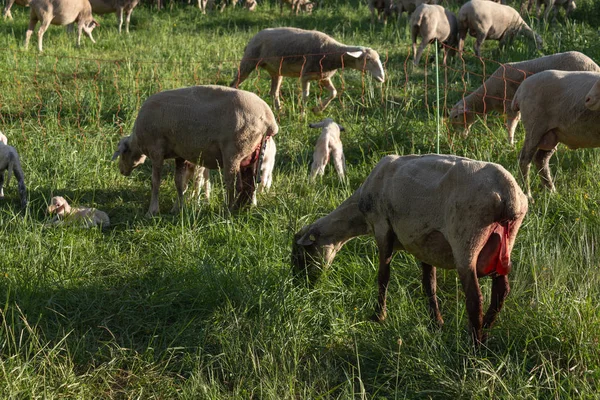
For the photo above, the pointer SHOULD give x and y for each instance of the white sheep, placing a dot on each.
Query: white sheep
(410, 6)
(433, 22)
(447, 211)
(81, 216)
(553, 111)
(9, 3)
(310, 55)
(328, 143)
(60, 12)
(201, 175)
(497, 92)
(488, 20)
(213, 126)
(115, 6)
(9, 161)
(568, 5)
(592, 98)
(3, 139)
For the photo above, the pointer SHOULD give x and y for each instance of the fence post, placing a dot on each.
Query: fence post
(437, 98)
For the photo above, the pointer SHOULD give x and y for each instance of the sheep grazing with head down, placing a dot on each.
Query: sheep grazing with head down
(9, 161)
(328, 143)
(498, 91)
(310, 55)
(81, 216)
(449, 212)
(489, 20)
(213, 126)
(553, 110)
(433, 22)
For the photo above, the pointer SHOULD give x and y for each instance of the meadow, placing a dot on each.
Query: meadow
(203, 304)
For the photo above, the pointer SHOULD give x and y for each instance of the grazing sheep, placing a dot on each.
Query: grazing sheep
(592, 98)
(9, 160)
(383, 8)
(3, 139)
(498, 90)
(9, 3)
(568, 5)
(329, 142)
(410, 6)
(553, 111)
(213, 126)
(449, 212)
(310, 55)
(201, 175)
(488, 20)
(118, 6)
(83, 216)
(60, 12)
(433, 22)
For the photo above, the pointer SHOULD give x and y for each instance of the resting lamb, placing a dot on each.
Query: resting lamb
(498, 90)
(310, 55)
(433, 22)
(82, 216)
(449, 212)
(553, 111)
(9, 161)
(328, 143)
(213, 126)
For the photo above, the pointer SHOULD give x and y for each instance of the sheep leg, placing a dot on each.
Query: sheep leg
(2, 185)
(18, 171)
(419, 52)
(157, 164)
(429, 285)
(332, 93)
(525, 158)
(120, 18)
(511, 126)
(30, 27)
(6, 13)
(542, 162)
(478, 42)
(474, 301)
(127, 19)
(500, 289)
(385, 244)
(275, 88)
(246, 186)
(339, 162)
(41, 31)
(181, 179)
(305, 91)
(462, 35)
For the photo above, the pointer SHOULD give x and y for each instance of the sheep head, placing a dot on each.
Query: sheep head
(58, 205)
(592, 99)
(324, 123)
(461, 117)
(309, 257)
(367, 59)
(130, 157)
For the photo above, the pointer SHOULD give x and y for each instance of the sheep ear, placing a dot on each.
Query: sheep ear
(120, 150)
(307, 239)
(355, 54)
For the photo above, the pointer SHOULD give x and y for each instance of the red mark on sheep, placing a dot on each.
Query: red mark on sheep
(500, 262)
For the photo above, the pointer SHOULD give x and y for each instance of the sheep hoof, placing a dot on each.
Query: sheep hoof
(379, 317)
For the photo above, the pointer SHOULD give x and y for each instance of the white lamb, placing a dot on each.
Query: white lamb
(82, 216)
(328, 143)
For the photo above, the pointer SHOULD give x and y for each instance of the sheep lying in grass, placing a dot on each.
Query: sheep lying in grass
(592, 98)
(310, 55)
(115, 6)
(433, 22)
(449, 212)
(498, 90)
(60, 12)
(9, 3)
(9, 161)
(201, 175)
(82, 216)
(328, 143)
(213, 126)
(553, 111)
(488, 20)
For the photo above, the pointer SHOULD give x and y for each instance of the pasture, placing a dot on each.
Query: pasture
(202, 304)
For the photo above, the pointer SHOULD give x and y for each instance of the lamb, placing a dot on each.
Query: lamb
(489, 20)
(60, 12)
(329, 142)
(9, 161)
(310, 55)
(9, 3)
(448, 211)
(592, 98)
(433, 22)
(118, 6)
(201, 175)
(498, 90)
(553, 111)
(82, 216)
(409, 6)
(212, 126)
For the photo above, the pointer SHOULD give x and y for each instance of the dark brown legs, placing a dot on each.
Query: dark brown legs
(429, 286)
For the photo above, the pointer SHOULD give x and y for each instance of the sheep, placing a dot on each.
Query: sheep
(212, 126)
(433, 22)
(60, 12)
(201, 175)
(82, 216)
(329, 142)
(410, 6)
(297, 5)
(9, 3)
(118, 6)
(9, 161)
(568, 5)
(553, 111)
(489, 20)
(592, 98)
(383, 8)
(310, 55)
(3, 139)
(449, 212)
(498, 90)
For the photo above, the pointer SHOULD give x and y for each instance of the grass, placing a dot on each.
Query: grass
(202, 304)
